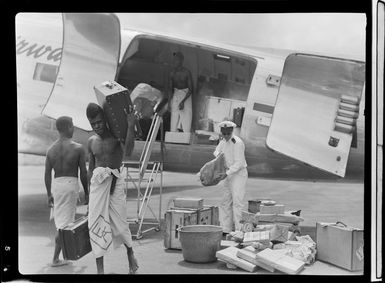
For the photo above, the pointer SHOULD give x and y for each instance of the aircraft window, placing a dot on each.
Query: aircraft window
(45, 72)
(222, 57)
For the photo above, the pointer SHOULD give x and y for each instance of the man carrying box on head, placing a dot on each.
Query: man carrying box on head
(107, 218)
(180, 90)
(234, 179)
(66, 158)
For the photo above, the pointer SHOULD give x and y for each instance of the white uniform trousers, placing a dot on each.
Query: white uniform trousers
(234, 188)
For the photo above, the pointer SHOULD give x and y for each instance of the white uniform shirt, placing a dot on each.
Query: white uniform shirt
(234, 151)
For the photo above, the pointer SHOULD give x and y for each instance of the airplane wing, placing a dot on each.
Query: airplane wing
(316, 111)
(91, 48)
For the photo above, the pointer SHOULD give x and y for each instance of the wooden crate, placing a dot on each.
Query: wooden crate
(175, 219)
(205, 216)
(194, 203)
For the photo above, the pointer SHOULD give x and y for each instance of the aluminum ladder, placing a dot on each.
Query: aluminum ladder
(146, 172)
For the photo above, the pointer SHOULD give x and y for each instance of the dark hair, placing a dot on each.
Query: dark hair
(93, 110)
(63, 123)
(179, 55)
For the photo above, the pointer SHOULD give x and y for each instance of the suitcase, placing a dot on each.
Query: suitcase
(340, 245)
(238, 115)
(75, 239)
(115, 101)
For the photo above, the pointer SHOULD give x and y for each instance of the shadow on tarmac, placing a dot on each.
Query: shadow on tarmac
(66, 269)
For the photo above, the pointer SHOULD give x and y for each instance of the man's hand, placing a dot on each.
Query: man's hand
(86, 199)
(50, 201)
(130, 117)
(221, 176)
(181, 105)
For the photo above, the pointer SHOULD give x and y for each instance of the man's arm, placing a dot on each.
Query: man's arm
(91, 165)
(130, 136)
(83, 172)
(170, 89)
(48, 180)
(189, 85)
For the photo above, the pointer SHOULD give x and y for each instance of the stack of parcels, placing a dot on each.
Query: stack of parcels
(259, 252)
(187, 211)
(267, 212)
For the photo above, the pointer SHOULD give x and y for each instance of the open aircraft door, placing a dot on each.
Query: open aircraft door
(91, 47)
(317, 106)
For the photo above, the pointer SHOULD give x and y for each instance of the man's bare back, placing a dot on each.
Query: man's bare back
(64, 157)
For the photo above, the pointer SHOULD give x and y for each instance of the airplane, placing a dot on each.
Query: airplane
(303, 114)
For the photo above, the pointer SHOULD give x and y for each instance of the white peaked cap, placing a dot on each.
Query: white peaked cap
(227, 124)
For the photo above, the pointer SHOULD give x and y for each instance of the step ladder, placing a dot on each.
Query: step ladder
(144, 173)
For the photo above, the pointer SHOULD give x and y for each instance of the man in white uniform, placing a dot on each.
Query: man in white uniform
(180, 90)
(235, 178)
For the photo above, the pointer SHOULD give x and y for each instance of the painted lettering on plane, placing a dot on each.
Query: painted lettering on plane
(29, 49)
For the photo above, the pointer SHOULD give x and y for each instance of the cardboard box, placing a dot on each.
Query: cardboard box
(175, 219)
(254, 204)
(279, 233)
(279, 261)
(340, 245)
(178, 137)
(229, 255)
(188, 202)
(259, 236)
(272, 209)
(228, 243)
(250, 254)
(248, 217)
(286, 218)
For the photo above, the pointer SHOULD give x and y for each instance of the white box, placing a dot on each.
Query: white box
(229, 255)
(178, 137)
(272, 209)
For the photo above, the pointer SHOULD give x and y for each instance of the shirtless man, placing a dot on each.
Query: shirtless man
(107, 196)
(65, 157)
(180, 89)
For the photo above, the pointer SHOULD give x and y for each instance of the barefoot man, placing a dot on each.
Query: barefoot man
(65, 157)
(107, 218)
(180, 89)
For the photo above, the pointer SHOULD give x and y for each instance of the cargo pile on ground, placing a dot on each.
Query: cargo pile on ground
(271, 240)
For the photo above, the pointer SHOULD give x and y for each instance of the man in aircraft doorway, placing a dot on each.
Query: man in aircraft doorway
(235, 177)
(66, 158)
(107, 218)
(180, 89)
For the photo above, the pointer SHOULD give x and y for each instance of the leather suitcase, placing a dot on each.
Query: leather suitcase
(115, 100)
(340, 245)
(75, 239)
(238, 115)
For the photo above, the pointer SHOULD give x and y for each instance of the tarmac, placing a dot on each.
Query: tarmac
(319, 202)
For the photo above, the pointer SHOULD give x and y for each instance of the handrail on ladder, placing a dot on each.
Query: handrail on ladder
(157, 121)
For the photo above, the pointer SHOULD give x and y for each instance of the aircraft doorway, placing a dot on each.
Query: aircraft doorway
(221, 82)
